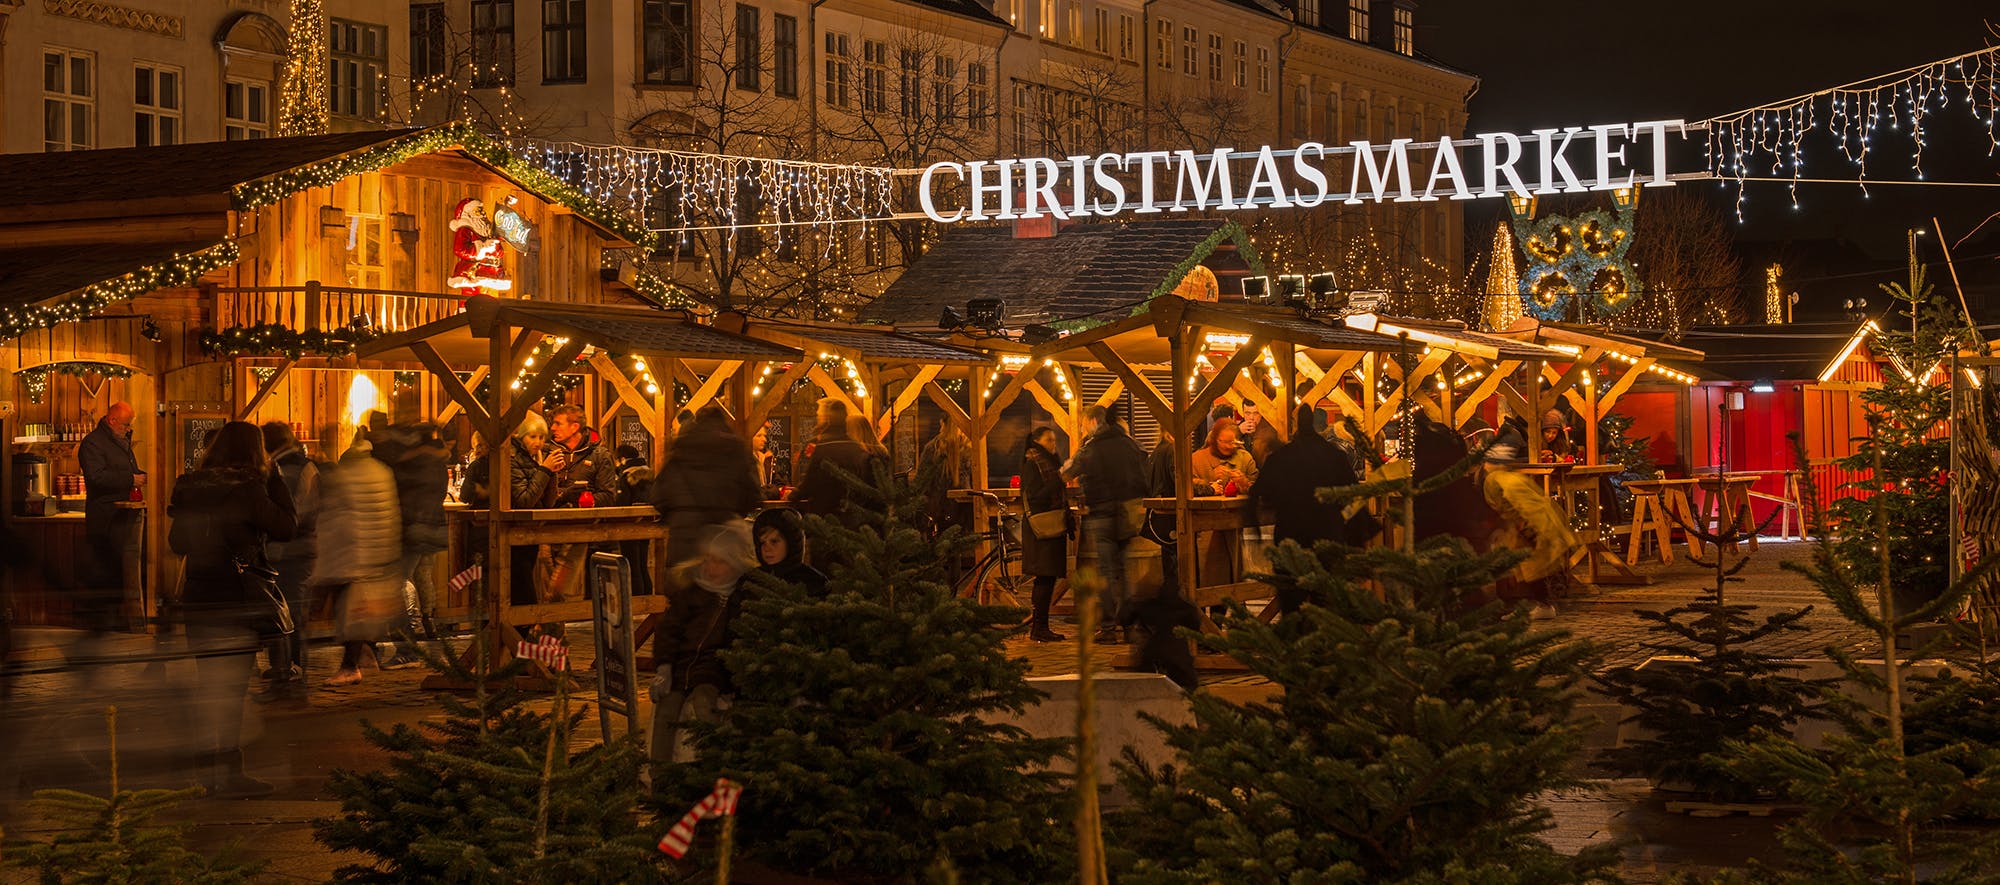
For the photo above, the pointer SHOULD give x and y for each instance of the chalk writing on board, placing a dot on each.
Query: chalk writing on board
(194, 439)
(632, 432)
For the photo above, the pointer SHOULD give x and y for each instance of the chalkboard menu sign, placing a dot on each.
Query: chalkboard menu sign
(611, 593)
(631, 431)
(194, 438)
(777, 441)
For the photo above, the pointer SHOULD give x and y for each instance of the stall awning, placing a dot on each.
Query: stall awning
(882, 346)
(1454, 336)
(37, 274)
(637, 331)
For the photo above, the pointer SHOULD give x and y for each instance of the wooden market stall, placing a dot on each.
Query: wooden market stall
(229, 280)
(496, 332)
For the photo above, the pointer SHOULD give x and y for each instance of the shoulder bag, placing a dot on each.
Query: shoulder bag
(1049, 524)
(271, 615)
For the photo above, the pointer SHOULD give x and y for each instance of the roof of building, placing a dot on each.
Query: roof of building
(1789, 352)
(173, 171)
(35, 274)
(1095, 271)
(881, 345)
(968, 8)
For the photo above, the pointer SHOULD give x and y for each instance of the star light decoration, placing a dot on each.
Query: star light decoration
(179, 270)
(1577, 258)
(1770, 139)
(720, 192)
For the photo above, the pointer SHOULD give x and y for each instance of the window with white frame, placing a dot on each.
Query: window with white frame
(364, 266)
(246, 109)
(1357, 19)
(1215, 58)
(357, 54)
(1128, 37)
(1406, 30)
(1240, 53)
(1190, 51)
(874, 75)
(839, 69)
(1163, 45)
(1023, 119)
(156, 105)
(978, 95)
(69, 99)
(1264, 69)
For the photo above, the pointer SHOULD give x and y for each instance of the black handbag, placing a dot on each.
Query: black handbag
(271, 615)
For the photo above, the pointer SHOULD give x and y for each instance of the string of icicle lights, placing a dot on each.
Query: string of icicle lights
(717, 192)
(1770, 139)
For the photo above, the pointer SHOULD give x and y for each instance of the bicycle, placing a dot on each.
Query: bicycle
(996, 579)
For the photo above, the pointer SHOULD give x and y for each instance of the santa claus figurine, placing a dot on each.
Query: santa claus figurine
(478, 251)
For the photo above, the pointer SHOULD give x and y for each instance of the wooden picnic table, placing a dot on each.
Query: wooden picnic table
(1656, 506)
(1725, 502)
(1572, 483)
(1218, 522)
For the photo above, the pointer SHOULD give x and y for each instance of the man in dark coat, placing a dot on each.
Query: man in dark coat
(585, 458)
(710, 478)
(821, 489)
(1290, 482)
(110, 473)
(1112, 469)
(1456, 509)
(418, 459)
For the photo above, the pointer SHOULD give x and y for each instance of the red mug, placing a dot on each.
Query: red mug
(1014, 483)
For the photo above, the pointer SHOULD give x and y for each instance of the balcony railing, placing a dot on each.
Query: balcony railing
(313, 306)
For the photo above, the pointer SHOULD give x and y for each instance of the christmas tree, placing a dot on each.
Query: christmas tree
(119, 839)
(1912, 476)
(493, 793)
(1634, 455)
(863, 731)
(1714, 686)
(1414, 732)
(1884, 803)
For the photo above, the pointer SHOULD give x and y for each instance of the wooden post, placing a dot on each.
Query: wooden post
(312, 304)
(1590, 418)
(1282, 353)
(1182, 362)
(500, 451)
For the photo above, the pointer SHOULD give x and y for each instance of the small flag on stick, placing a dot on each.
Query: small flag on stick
(720, 803)
(465, 578)
(548, 651)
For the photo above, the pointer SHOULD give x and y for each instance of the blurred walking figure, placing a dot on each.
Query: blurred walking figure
(821, 489)
(1290, 482)
(691, 677)
(417, 458)
(360, 554)
(635, 487)
(110, 475)
(862, 431)
(223, 513)
(1528, 521)
(709, 479)
(946, 464)
(1112, 469)
(1046, 558)
(293, 559)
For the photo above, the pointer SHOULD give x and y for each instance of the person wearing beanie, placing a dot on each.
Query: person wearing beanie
(1556, 445)
(781, 547)
(690, 677)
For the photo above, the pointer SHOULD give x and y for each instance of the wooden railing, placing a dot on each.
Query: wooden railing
(313, 306)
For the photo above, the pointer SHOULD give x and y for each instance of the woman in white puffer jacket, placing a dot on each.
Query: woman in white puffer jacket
(360, 553)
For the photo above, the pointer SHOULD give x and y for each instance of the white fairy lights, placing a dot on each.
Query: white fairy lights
(1769, 139)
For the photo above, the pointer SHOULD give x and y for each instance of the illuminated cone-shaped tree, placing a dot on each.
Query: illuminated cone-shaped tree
(863, 729)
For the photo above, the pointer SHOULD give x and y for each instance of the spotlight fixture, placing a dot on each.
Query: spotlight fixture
(985, 312)
(950, 321)
(1292, 290)
(1257, 290)
(1326, 294)
(1763, 385)
(150, 330)
(1036, 333)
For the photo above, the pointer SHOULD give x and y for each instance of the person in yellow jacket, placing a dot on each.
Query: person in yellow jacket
(1528, 520)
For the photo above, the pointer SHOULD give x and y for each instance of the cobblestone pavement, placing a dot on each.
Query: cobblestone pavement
(53, 731)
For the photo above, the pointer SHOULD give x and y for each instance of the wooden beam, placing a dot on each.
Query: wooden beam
(460, 394)
(1326, 383)
(1224, 379)
(628, 393)
(953, 412)
(774, 395)
(539, 386)
(1624, 383)
(1058, 410)
(264, 390)
(1425, 369)
(709, 386)
(452, 408)
(1483, 391)
(906, 398)
(826, 383)
(1148, 395)
(1564, 382)
(992, 408)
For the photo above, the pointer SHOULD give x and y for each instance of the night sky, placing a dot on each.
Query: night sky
(1547, 63)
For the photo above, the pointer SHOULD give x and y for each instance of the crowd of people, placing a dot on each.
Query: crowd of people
(354, 532)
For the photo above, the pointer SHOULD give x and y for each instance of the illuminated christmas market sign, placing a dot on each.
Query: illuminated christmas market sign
(1574, 159)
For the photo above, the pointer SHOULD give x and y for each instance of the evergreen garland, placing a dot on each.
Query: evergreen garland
(272, 339)
(863, 729)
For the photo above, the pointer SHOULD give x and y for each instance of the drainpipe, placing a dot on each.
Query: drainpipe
(812, 79)
(1285, 52)
(1146, 63)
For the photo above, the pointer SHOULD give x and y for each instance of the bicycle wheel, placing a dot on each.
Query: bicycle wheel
(999, 581)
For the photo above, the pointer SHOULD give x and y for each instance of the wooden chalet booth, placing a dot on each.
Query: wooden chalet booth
(205, 282)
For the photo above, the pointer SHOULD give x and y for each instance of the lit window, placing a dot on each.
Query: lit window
(1242, 65)
(1357, 20)
(364, 266)
(1264, 69)
(1406, 30)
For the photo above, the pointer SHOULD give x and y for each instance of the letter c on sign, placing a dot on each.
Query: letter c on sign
(924, 191)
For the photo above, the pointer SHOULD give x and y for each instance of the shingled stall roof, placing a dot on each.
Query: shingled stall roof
(639, 331)
(880, 345)
(173, 172)
(1098, 271)
(1453, 335)
(1790, 352)
(1141, 340)
(36, 274)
